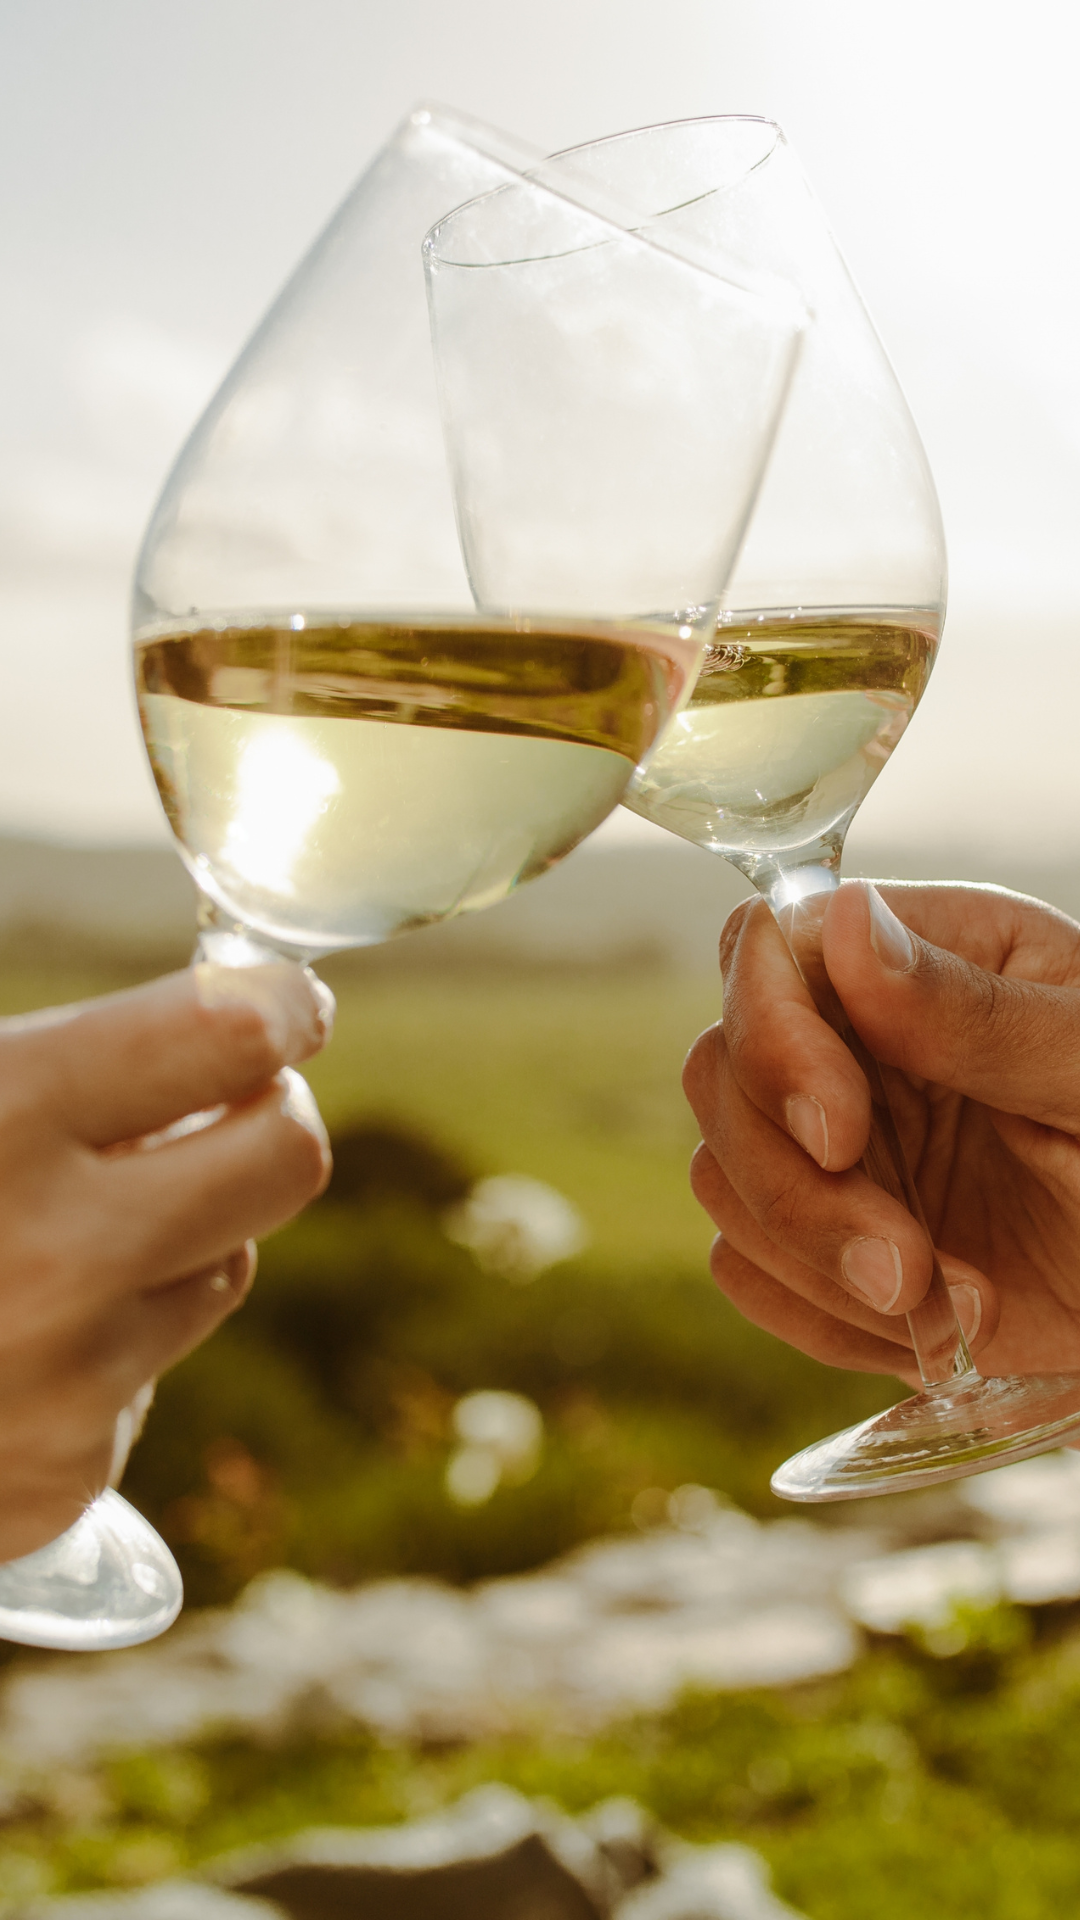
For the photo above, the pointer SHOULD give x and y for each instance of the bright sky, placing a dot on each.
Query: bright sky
(165, 166)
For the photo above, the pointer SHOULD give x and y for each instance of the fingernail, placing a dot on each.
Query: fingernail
(325, 1004)
(889, 937)
(299, 1105)
(967, 1302)
(236, 1275)
(294, 1006)
(806, 1119)
(872, 1268)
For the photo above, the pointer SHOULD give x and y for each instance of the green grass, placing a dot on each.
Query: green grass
(571, 1077)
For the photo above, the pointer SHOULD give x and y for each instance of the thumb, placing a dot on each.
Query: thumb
(1011, 1044)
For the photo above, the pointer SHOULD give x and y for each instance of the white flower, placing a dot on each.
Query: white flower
(516, 1226)
(502, 1435)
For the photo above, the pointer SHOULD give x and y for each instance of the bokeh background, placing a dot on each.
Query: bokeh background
(163, 169)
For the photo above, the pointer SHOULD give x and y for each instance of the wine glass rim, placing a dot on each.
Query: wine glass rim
(678, 126)
(614, 222)
(658, 127)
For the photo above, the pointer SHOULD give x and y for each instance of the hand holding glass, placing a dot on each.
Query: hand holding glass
(829, 630)
(344, 747)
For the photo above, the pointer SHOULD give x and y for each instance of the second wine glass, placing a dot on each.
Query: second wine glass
(825, 642)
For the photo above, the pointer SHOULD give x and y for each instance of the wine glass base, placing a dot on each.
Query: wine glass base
(967, 1426)
(109, 1581)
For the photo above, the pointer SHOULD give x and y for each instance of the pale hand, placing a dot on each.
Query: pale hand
(119, 1252)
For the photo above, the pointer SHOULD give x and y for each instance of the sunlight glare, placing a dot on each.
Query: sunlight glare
(282, 788)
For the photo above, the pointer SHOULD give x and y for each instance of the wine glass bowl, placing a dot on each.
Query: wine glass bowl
(337, 779)
(424, 586)
(792, 717)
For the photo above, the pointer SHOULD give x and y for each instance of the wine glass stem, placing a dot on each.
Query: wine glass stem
(798, 894)
(226, 942)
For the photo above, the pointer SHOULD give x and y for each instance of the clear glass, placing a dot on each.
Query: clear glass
(826, 636)
(108, 1582)
(344, 746)
(315, 477)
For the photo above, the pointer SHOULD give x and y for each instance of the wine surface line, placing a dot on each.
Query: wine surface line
(791, 719)
(335, 779)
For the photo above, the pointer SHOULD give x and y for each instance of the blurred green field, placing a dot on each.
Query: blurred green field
(570, 1076)
(315, 1431)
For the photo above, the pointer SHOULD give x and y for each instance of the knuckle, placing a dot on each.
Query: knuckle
(780, 1210)
(987, 1011)
(240, 1030)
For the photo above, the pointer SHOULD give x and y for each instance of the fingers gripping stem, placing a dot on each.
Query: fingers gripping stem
(939, 1345)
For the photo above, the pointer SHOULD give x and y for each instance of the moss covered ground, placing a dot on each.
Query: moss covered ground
(911, 1785)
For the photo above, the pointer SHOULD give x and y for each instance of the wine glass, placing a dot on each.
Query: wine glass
(825, 640)
(344, 748)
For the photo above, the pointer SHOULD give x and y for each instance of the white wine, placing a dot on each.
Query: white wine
(334, 779)
(791, 720)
